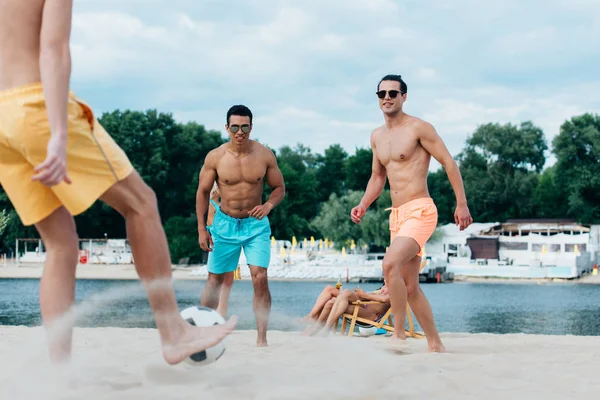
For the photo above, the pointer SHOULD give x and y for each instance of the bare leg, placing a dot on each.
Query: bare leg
(420, 305)
(224, 295)
(320, 320)
(57, 286)
(261, 303)
(401, 251)
(342, 302)
(327, 294)
(137, 203)
(212, 289)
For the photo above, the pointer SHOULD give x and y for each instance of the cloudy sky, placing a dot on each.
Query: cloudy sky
(308, 69)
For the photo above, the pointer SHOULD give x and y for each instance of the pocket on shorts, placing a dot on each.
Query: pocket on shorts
(86, 111)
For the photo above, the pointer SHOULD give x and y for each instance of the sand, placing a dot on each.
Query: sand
(121, 363)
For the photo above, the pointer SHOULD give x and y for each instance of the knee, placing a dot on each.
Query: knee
(345, 294)
(389, 268)
(329, 304)
(412, 288)
(259, 279)
(228, 280)
(214, 280)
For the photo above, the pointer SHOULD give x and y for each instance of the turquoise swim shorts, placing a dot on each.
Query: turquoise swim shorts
(230, 235)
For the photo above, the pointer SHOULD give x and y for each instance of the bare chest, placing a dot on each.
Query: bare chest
(396, 147)
(233, 170)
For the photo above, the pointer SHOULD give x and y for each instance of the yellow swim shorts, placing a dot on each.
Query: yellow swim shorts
(94, 161)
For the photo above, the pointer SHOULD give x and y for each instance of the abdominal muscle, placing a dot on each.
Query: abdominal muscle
(237, 200)
(408, 181)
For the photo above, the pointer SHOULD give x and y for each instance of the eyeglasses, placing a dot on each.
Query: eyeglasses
(393, 93)
(235, 128)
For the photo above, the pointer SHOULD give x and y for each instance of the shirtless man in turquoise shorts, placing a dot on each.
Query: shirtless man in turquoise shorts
(240, 168)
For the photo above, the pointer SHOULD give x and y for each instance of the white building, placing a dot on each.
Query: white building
(519, 249)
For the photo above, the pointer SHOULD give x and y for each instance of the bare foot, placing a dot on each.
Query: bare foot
(316, 329)
(308, 330)
(196, 339)
(436, 348)
(262, 343)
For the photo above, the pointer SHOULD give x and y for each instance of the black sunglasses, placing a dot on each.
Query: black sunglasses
(393, 93)
(235, 128)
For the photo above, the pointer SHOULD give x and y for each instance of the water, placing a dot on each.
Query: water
(557, 308)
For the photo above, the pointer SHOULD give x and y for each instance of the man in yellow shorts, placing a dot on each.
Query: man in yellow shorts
(56, 160)
(402, 150)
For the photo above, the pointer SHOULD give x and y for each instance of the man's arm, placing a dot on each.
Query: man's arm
(382, 298)
(275, 181)
(55, 71)
(208, 174)
(55, 62)
(377, 180)
(434, 145)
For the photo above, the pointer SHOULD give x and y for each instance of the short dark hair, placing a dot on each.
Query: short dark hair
(397, 78)
(239, 110)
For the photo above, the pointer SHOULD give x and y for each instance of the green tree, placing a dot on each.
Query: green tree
(291, 217)
(333, 220)
(4, 219)
(577, 149)
(358, 169)
(442, 194)
(500, 166)
(331, 173)
(549, 200)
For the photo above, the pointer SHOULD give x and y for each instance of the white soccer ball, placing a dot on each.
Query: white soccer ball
(204, 316)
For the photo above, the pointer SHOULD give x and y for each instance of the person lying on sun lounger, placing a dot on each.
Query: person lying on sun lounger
(342, 303)
(329, 293)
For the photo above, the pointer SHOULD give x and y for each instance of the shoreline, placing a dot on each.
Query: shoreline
(128, 272)
(123, 272)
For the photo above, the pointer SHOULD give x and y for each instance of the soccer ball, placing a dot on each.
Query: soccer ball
(204, 316)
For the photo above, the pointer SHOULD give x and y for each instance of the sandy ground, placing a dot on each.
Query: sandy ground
(126, 364)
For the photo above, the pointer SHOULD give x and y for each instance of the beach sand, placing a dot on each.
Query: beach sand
(126, 364)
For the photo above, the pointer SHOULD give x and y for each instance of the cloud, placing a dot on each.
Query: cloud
(309, 73)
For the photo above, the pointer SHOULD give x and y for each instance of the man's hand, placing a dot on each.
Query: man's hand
(357, 213)
(54, 169)
(205, 240)
(261, 211)
(360, 293)
(462, 216)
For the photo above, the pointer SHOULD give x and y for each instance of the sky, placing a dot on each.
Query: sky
(309, 69)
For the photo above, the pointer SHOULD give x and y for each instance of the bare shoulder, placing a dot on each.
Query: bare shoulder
(375, 134)
(264, 153)
(421, 127)
(213, 156)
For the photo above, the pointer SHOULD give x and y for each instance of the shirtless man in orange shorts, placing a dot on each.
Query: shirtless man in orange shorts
(56, 160)
(402, 150)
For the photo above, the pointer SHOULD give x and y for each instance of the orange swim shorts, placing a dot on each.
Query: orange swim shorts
(416, 219)
(94, 161)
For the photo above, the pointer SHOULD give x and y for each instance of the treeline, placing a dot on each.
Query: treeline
(503, 167)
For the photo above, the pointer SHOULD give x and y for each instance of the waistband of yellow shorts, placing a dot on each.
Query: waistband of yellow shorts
(34, 88)
(420, 202)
